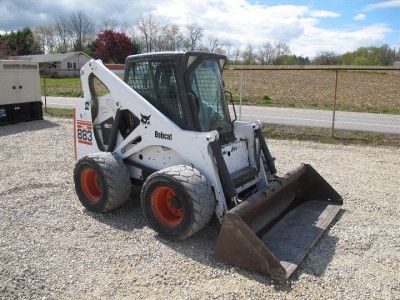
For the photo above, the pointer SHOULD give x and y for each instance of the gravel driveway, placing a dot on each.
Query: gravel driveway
(50, 247)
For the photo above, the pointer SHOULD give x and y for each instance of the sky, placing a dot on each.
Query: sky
(308, 27)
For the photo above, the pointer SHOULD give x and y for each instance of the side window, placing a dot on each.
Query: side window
(156, 82)
(206, 83)
(141, 79)
(102, 112)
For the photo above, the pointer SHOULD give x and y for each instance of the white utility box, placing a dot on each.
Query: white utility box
(20, 95)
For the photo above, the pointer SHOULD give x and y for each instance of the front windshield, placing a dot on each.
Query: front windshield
(206, 83)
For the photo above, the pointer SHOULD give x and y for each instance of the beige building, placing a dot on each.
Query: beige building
(58, 64)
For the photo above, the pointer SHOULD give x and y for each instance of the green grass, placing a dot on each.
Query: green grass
(292, 103)
(59, 112)
(61, 87)
(68, 87)
(324, 135)
(268, 102)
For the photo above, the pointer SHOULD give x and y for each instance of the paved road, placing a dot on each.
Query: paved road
(297, 117)
(321, 118)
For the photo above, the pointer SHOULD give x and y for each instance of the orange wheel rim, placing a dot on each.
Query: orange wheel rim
(91, 185)
(164, 208)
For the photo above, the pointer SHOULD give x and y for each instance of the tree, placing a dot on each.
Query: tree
(135, 46)
(194, 35)
(226, 48)
(113, 46)
(82, 29)
(236, 56)
(291, 59)
(266, 54)
(325, 58)
(44, 36)
(90, 49)
(149, 30)
(5, 49)
(171, 38)
(248, 55)
(282, 49)
(109, 24)
(22, 42)
(62, 33)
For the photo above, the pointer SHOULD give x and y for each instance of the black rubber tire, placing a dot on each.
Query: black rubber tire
(114, 178)
(195, 195)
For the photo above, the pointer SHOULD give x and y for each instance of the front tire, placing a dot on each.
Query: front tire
(177, 201)
(102, 181)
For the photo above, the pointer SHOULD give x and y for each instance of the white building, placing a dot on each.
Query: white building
(58, 64)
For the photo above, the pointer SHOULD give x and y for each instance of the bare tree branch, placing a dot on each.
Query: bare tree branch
(82, 29)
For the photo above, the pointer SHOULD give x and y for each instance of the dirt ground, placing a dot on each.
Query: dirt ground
(51, 247)
(368, 91)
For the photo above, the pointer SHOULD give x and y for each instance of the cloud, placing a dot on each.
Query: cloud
(315, 40)
(324, 14)
(241, 22)
(15, 14)
(359, 17)
(237, 21)
(382, 4)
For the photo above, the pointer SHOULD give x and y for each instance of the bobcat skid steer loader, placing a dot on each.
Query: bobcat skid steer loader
(167, 128)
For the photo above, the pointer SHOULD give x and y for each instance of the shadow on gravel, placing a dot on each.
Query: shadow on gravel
(25, 126)
(200, 248)
(128, 217)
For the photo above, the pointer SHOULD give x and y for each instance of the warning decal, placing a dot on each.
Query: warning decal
(84, 132)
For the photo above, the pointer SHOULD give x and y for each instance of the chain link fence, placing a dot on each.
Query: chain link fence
(323, 98)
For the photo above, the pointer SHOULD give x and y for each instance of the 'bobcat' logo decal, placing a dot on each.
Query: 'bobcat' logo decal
(145, 120)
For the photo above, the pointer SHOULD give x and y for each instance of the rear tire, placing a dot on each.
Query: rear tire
(177, 201)
(102, 181)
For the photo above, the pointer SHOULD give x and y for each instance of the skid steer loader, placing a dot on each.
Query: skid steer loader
(167, 128)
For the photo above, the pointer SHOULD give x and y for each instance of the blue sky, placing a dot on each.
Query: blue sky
(308, 27)
(368, 12)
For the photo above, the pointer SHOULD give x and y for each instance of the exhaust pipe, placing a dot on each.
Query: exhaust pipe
(273, 230)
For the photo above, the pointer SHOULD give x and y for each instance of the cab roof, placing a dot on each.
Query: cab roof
(173, 54)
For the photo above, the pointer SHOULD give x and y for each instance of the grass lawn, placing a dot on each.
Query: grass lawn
(61, 87)
(67, 87)
(324, 135)
(59, 112)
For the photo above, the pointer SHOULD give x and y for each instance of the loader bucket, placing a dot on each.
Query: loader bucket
(273, 230)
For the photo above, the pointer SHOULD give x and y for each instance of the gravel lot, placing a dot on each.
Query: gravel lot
(50, 247)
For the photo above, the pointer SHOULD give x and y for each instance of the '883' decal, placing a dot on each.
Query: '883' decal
(84, 132)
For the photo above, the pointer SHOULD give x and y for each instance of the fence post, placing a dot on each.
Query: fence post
(334, 104)
(241, 93)
(44, 90)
